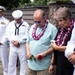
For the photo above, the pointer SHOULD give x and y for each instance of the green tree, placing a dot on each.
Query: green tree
(13, 3)
(40, 2)
(24, 1)
(59, 0)
(9, 4)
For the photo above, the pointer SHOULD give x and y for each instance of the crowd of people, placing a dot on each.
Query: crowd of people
(40, 48)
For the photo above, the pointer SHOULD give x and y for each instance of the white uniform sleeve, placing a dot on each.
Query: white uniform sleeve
(6, 36)
(71, 44)
(4, 40)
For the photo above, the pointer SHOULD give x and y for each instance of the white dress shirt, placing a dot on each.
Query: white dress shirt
(71, 44)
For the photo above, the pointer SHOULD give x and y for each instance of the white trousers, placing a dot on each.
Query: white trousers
(21, 53)
(4, 59)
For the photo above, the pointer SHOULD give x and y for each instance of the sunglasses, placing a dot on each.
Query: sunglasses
(37, 22)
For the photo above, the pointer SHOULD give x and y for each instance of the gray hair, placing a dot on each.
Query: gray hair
(62, 12)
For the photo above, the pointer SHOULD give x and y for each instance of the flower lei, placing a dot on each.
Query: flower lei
(40, 34)
(60, 43)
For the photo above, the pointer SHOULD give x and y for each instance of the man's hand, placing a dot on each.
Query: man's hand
(54, 46)
(16, 44)
(29, 55)
(71, 58)
(51, 68)
(40, 56)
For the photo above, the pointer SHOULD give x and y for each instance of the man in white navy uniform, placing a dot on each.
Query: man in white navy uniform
(3, 48)
(16, 33)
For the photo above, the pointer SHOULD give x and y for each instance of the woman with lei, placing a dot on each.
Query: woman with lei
(63, 66)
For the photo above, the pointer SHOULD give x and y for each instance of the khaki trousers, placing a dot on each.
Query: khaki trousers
(34, 72)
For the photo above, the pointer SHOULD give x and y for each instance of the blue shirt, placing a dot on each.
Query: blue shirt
(41, 45)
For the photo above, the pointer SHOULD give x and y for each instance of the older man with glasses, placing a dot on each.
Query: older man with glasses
(38, 44)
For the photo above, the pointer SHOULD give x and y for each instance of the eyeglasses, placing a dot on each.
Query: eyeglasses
(37, 22)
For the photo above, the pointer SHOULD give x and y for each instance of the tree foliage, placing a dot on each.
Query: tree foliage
(9, 4)
(40, 2)
(60, 0)
(13, 3)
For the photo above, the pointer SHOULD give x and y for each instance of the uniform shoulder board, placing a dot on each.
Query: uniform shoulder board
(3, 23)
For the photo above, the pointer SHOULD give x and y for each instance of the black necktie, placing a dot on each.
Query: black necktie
(17, 28)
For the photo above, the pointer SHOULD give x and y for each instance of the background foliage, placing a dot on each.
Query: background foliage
(9, 4)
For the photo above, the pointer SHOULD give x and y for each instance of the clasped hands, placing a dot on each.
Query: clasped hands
(54, 45)
(71, 58)
(16, 43)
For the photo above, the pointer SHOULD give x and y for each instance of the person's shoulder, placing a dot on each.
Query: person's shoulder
(11, 23)
(6, 19)
(25, 24)
(32, 25)
(51, 25)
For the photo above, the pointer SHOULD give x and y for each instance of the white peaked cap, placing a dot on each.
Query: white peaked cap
(73, 1)
(17, 14)
(2, 8)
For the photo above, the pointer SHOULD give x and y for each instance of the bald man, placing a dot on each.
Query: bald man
(38, 44)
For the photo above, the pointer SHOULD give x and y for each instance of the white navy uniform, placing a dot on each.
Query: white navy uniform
(21, 37)
(4, 48)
